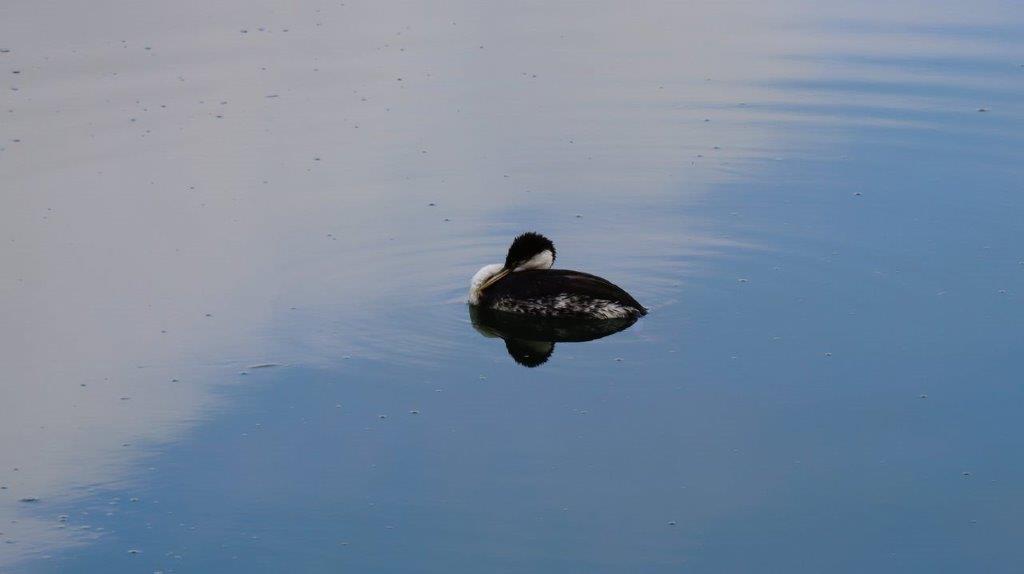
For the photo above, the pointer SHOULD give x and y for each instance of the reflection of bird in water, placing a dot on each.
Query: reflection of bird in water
(531, 340)
(527, 284)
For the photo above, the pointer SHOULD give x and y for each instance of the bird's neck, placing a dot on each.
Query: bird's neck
(543, 260)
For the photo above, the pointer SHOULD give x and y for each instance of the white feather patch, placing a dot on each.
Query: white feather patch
(543, 260)
(566, 305)
(481, 277)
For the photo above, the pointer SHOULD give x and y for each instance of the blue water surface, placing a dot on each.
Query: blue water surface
(828, 379)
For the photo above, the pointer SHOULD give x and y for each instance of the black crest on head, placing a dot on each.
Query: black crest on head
(526, 246)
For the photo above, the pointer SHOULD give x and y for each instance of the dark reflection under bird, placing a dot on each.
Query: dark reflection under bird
(526, 284)
(530, 341)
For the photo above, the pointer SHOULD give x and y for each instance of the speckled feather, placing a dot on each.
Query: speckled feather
(560, 293)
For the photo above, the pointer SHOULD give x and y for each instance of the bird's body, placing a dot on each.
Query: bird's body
(560, 293)
(526, 284)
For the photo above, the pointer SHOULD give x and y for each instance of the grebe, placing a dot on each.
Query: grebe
(527, 284)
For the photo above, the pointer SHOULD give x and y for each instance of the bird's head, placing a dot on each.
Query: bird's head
(528, 251)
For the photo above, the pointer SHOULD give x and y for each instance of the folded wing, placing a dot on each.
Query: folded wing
(543, 284)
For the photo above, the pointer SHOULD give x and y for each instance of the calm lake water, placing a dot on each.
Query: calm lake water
(237, 236)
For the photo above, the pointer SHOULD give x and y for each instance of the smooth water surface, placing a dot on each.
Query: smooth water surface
(237, 238)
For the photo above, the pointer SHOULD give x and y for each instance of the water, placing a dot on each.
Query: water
(237, 240)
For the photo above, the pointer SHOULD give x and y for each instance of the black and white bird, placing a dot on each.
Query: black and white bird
(527, 284)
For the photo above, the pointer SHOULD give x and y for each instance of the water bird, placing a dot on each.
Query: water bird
(527, 284)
